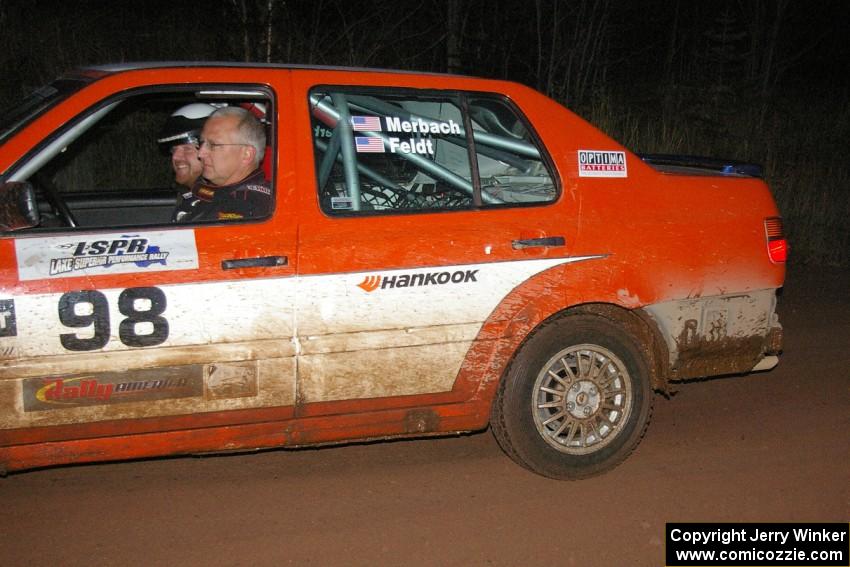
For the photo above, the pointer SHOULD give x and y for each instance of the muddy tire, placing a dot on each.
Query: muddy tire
(576, 399)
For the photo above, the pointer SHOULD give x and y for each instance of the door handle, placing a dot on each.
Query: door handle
(538, 242)
(261, 262)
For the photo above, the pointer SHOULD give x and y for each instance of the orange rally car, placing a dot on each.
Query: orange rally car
(443, 253)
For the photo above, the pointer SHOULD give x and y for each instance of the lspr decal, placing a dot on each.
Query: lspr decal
(105, 254)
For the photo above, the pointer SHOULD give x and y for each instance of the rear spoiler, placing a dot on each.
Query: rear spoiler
(719, 165)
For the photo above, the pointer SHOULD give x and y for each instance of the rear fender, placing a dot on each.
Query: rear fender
(556, 292)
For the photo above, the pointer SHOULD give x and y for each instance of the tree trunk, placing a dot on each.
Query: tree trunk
(454, 37)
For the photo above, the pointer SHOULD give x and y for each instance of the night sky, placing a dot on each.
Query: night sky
(637, 41)
(765, 81)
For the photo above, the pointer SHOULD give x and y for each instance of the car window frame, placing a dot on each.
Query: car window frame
(114, 100)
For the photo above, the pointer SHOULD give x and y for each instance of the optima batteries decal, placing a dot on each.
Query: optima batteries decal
(104, 254)
(113, 388)
(598, 163)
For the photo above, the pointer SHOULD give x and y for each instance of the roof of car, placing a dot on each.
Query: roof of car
(131, 66)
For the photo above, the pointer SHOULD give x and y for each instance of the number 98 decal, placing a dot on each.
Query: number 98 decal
(143, 325)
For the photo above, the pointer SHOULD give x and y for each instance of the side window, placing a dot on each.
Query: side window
(394, 151)
(134, 162)
(510, 165)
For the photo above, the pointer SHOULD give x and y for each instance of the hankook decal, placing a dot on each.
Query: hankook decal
(421, 278)
(371, 283)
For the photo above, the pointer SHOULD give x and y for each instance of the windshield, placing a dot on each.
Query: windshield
(18, 115)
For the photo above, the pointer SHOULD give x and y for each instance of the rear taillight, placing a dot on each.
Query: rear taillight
(777, 244)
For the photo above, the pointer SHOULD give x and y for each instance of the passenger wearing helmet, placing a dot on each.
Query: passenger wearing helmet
(232, 186)
(181, 137)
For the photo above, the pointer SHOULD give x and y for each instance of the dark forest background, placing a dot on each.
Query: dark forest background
(766, 81)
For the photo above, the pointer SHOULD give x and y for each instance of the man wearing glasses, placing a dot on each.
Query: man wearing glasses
(232, 185)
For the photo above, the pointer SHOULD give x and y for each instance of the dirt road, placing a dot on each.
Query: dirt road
(772, 447)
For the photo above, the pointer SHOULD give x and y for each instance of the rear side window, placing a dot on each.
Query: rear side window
(394, 151)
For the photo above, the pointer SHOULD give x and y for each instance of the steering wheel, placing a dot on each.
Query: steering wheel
(57, 203)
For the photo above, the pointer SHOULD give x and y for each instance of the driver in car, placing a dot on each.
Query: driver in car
(232, 185)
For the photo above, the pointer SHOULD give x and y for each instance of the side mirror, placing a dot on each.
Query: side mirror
(18, 207)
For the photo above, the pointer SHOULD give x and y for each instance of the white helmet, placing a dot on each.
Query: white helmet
(184, 125)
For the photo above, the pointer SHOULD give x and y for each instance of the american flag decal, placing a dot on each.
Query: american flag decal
(368, 145)
(366, 123)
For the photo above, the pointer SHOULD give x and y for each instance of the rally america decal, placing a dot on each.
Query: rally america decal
(112, 388)
(105, 254)
(596, 163)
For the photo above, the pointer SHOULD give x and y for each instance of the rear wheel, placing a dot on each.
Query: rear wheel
(576, 399)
